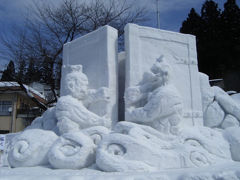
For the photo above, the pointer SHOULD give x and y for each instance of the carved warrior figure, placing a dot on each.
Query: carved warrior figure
(155, 101)
(72, 111)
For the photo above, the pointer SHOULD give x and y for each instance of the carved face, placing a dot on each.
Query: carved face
(162, 70)
(77, 85)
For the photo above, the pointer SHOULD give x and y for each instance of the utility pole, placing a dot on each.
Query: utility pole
(158, 13)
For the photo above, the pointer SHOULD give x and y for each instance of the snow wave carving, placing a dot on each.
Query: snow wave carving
(131, 143)
(96, 133)
(122, 153)
(30, 148)
(72, 151)
(155, 101)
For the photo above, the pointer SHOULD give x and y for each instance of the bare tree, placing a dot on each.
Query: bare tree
(44, 33)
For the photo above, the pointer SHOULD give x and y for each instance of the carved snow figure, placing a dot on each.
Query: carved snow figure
(72, 111)
(155, 101)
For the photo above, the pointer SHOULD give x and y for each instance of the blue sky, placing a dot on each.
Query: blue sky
(172, 13)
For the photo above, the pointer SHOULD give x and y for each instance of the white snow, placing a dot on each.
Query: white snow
(72, 115)
(230, 121)
(232, 134)
(213, 115)
(206, 91)
(96, 133)
(236, 97)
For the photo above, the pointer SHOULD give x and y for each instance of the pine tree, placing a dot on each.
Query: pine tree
(193, 23)
(231, 34)
(9, 73)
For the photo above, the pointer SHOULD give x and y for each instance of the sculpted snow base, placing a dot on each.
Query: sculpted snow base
(158, 144)
(72, 136)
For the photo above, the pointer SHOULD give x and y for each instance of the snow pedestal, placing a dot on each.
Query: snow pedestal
(96, 52)
(145, 45)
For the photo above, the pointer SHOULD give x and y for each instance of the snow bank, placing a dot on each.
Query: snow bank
(72, 151)
(30, 148)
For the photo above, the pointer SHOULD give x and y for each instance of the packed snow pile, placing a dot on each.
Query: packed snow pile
(174, 126)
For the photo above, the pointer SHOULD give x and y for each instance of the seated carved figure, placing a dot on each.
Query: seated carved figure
(155, 101)
(72, 111)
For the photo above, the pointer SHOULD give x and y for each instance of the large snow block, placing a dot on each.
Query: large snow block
(145, 45)
(97, 53)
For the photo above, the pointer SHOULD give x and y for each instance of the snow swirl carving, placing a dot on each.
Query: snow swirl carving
(155, 101)
(30, 148)
(72, 151)
(96, 133)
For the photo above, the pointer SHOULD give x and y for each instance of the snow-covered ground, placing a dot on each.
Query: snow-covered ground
(228, 171)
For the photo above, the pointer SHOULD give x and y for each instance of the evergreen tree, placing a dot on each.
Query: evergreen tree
(9, 73)
(231, 34)
(218, 40)
(210, 45)
(193, 23)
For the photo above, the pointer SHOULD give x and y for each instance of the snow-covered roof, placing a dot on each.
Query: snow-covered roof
(15, 84)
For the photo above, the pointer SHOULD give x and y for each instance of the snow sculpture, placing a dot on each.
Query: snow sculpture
(155, 101)
(144, 45)
(97, 53)
(96, 133)
(219, 109)
(73, 112)
(47, 121)
(133, 147)
(72, 151)
(30, 148)
(164, 109)
(232, 134)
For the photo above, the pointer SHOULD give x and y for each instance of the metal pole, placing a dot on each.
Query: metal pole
(158, 14)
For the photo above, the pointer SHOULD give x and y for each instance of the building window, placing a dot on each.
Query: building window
(5, 107)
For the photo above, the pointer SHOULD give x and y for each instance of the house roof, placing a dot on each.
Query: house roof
(14, 86)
